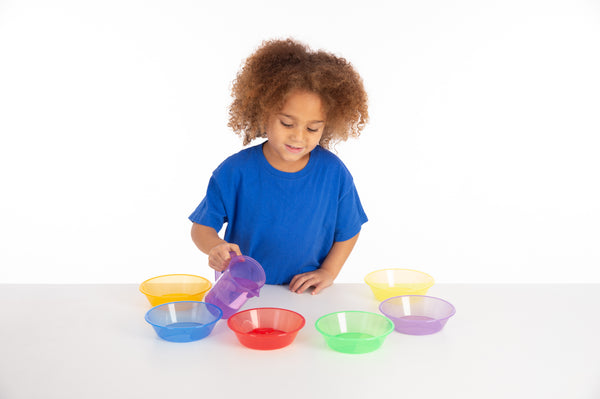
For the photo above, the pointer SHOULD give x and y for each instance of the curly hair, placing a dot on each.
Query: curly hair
(281, 66)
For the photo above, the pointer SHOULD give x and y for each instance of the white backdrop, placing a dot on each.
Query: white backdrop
(480, 163)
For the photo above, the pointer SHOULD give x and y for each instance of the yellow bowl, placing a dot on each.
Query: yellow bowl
(174, 288)
(386, 283)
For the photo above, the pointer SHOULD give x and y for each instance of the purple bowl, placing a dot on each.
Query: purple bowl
(417, 314)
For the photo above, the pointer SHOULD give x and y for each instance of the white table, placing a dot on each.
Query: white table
(505, 341)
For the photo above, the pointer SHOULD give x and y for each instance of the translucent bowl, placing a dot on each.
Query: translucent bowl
(174, 288)
(417, 314)
(183, 321)
(354, 331)
(386, 283)
(266, 328)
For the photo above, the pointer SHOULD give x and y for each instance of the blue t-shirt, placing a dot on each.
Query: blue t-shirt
(286, 221)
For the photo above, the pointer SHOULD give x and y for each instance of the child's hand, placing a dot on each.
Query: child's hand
(319, 279)
(219, 257)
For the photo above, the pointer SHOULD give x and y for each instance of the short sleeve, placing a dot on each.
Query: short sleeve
(351, 215)
(211, 211)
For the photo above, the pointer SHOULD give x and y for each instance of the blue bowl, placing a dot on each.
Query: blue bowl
(184, 321)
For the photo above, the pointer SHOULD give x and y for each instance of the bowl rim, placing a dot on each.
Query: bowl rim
(141, 286)
(398, 268)
(212, 323)
(452, 307)
(266, 308)
(383, 335)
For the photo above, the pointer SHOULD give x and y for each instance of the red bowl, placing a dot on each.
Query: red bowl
(266, 328)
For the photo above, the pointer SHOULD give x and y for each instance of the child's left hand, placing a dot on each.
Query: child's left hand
(319, 279)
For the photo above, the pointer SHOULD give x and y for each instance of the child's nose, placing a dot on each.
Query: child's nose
(297, 133)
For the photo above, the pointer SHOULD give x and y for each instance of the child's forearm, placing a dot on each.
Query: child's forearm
(337, 256)
(205, 238)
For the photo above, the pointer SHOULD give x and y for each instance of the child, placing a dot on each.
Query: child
(289, 203)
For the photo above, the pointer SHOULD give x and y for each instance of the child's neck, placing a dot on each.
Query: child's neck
(281, 164)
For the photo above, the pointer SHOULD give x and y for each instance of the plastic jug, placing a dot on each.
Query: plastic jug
(243, 279)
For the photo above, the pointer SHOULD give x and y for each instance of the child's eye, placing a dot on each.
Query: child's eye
(312, 130)
(286, 124)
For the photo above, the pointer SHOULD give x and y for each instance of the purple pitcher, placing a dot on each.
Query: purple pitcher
(243, 279)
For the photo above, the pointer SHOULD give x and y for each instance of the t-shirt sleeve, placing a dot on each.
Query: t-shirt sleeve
(211, 211)
(351, 215)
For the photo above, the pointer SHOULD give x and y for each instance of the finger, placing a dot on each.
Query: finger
(319, 287)
(300, 281)
(225, 256)
(294, 283)
(221, 264)
(214, 264)
(307, 283)
(218, 261)
(235, 248)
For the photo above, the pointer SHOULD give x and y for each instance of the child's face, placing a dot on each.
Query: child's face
(294, 131)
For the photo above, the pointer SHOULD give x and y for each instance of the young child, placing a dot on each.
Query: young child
(288, 202)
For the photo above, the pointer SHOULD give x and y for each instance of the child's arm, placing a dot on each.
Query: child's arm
(323, 277)
(208, 241)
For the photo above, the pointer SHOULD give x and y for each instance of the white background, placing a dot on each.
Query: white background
(480, 163)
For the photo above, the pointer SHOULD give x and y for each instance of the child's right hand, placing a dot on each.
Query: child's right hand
(219, 257)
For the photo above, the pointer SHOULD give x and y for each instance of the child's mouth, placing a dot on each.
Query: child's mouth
(292, 149)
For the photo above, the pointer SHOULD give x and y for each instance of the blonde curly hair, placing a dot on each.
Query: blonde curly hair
(278, 67)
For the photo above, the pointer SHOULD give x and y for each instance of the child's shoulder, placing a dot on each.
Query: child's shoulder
(327, 155)
(239, 160)
(244, 155)
(331, 159)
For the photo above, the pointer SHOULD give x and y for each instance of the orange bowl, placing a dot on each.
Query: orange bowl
(175, 288)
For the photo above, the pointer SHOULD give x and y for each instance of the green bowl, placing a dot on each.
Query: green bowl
(354, 331)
